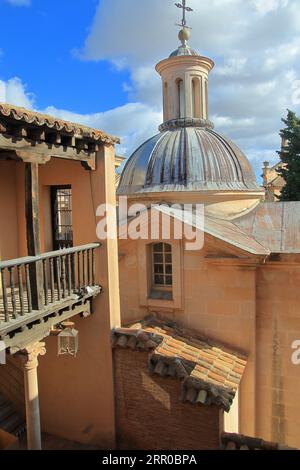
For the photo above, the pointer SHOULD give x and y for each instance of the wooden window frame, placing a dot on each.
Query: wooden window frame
(166, 250)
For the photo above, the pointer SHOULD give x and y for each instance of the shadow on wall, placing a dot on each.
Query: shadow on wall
(150, 414)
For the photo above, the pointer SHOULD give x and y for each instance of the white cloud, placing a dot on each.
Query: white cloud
(14, 92)
(233, 66)
(121, 121)
(25, 3)
(266, 6)
(255, 46)
(133, 123)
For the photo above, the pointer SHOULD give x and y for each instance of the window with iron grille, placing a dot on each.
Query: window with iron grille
(162, 268)
(62, 216)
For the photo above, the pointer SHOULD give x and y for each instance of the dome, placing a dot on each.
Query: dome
(187, 155)
(184, 50)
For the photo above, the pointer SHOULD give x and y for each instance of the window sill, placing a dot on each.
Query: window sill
(160, 295)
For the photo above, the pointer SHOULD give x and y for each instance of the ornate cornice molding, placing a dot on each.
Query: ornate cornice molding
(185, 122)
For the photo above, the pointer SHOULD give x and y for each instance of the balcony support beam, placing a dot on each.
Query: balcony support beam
(33, 232)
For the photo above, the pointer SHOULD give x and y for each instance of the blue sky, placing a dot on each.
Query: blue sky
(92, 61)
(39, 45)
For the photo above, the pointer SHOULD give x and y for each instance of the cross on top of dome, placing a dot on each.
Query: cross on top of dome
(184, 10)
(184, 33)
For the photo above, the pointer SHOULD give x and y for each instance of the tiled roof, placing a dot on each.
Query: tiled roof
(210, 372)
(240, 442)
(43, 120)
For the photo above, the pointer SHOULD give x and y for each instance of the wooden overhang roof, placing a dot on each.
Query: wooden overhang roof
(26, 133)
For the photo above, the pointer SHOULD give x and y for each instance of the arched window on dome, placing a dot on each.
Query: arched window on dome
(196, 99)
(180, 98)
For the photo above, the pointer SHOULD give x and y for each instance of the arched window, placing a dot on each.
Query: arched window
(162, 268)
(196, 100)
(181, 101)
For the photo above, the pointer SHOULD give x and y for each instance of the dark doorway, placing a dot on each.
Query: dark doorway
(61, 208)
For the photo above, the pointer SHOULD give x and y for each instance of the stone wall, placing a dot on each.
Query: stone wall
(278, 379)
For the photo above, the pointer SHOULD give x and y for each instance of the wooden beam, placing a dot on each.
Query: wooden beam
(30, 150)
(33, 232)
(36, 134)
(3, 126)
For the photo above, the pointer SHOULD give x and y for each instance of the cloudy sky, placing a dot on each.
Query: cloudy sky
(95, 64)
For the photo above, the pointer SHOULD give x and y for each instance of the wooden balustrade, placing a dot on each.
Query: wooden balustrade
(65, 273)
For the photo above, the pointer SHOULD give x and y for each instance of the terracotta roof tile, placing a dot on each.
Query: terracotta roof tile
(203, 365)
(164, 352)
(216, 377)
(199, 375)
(31, 117)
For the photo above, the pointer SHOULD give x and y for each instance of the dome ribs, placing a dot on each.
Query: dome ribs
(187, 158)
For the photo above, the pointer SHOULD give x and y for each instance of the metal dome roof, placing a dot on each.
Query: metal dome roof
(185, 157)
(183, 50)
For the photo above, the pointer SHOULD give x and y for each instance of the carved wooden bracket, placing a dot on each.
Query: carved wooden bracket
(89, 164)
(32, 157)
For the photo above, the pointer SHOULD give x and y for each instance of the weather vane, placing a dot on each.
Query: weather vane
(184, 9)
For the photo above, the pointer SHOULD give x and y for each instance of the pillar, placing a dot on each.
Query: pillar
(33, 424)
(33, 232)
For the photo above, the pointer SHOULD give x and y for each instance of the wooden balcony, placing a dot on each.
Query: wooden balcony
(39, 292)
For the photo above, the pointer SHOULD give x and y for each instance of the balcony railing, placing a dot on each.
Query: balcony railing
(61, 275)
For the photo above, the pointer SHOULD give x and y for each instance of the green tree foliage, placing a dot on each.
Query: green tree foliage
(290, 157)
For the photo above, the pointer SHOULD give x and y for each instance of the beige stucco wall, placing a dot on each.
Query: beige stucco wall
(76, 394)
(8, 211)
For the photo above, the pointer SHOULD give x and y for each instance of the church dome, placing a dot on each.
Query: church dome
(188, 160)
(187, 155)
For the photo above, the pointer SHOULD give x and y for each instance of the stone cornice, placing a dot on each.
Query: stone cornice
(185, 122)
(205, 62)
(251, 263)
